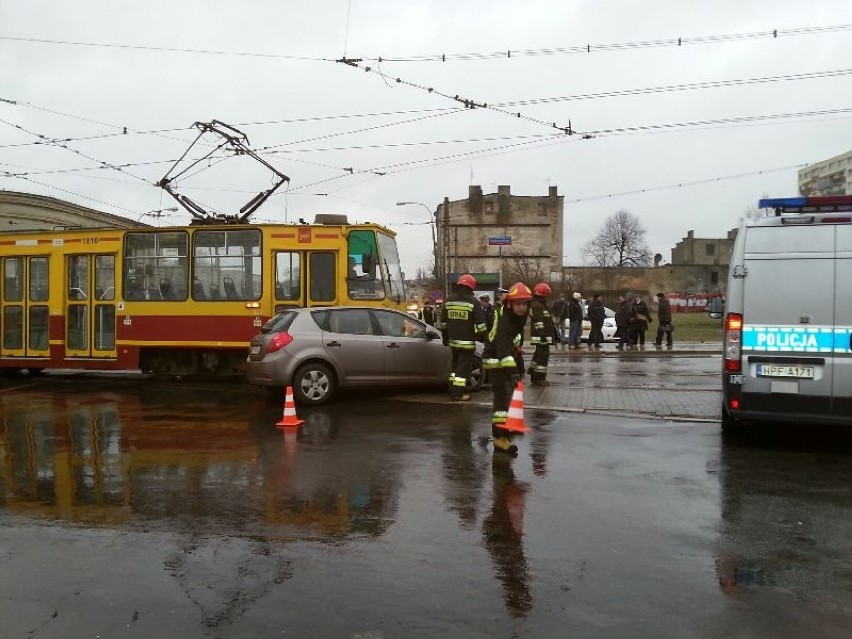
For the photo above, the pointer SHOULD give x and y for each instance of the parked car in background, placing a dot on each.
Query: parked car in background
(320, 350)
(608, 330)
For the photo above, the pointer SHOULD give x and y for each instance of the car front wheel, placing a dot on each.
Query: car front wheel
(313, 384)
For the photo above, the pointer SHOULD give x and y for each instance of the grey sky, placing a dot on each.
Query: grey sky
(146, 90)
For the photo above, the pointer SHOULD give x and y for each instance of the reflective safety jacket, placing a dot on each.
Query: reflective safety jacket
(542, 323)
(507, 336)
(462, 316)
(489, 356)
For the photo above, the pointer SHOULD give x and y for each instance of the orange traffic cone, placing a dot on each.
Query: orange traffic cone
(515, 421)
(289, 419)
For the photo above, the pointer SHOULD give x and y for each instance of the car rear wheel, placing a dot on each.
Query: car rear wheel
(313, 383)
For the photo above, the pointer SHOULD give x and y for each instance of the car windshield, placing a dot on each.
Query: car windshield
(279, 322)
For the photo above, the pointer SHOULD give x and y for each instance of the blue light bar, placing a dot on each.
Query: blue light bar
(782, 202)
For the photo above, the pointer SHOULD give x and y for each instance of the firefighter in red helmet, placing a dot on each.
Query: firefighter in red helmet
(505, 375)
(541, 334)
(465, 325)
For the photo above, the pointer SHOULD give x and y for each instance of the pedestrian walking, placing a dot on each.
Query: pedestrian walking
(623, 314)
(641, 321)
(664, 321)
(429, 314)
(559, 312)
(575, 320)
(505, 376)
(597, 315)
(462, 316)
(541, 334)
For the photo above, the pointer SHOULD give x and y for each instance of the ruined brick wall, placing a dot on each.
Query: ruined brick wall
(534, 224)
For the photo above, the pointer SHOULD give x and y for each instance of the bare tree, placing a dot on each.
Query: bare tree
(525, 269)
(621, 242)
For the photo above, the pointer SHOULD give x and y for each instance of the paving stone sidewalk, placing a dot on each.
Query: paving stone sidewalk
(668, 385)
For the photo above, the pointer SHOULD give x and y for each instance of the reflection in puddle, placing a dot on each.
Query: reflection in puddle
(135, 458)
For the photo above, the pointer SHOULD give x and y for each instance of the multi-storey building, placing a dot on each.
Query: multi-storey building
(829, 177)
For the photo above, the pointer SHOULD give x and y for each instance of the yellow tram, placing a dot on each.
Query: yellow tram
(179, 300)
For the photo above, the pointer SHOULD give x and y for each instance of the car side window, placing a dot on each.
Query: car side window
(399, 325)
(353, 321)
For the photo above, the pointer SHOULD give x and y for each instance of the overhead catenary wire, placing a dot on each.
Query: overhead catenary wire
(693, 86)
(301, 120)
(674, 41)
(57, 188)
(505, 53)
(468, 103)
(686, 183)
(63, 145)
(744, 121)
(710, 84)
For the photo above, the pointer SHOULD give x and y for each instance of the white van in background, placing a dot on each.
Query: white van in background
(788, 317)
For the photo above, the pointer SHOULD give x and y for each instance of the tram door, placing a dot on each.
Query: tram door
(25, 313)
(90, 306)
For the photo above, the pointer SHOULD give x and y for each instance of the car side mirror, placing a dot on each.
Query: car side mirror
(431, 333)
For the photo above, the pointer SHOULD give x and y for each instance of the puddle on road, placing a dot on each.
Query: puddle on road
(154, 458)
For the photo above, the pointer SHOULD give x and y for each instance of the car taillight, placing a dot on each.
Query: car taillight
(733, 342)
(278, 341)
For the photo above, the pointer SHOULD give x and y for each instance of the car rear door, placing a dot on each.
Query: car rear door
(788, 317)
(354, 346)
(842, 404)
(409, 355)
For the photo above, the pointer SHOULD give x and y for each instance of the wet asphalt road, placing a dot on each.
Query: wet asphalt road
(161, 509)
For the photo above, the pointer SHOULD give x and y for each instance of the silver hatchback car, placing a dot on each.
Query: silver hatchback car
(318, 350)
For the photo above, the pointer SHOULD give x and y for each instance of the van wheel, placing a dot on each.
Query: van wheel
(313, 384)
(730, 425)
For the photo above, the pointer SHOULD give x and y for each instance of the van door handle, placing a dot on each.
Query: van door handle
(393, 345)
(333, 343)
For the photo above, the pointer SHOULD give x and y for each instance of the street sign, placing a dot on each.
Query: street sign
(500, 240)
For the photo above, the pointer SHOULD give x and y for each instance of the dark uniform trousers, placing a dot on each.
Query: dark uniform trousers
(462, 364)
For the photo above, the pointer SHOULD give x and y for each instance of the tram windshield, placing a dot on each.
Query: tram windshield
(391, 270)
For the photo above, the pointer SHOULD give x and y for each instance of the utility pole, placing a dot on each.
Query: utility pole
(447, 262)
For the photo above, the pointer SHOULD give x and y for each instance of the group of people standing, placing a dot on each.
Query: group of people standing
(466, 321)
(632, 320)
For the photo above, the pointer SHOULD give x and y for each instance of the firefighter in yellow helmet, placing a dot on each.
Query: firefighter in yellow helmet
(465, 324)
(541, 334)
(505, 376)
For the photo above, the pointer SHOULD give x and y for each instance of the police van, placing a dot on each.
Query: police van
(788, 317)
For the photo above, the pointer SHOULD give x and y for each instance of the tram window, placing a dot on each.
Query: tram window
(38, 279)
(226, 265)
(105, 277)
(361, 280)
(322, 277)
(391, 269)
(38, 328)
(287, 274)
(104, 327)
(78, 333)
(12, 274)
(13, 333)
(156, 266)
(78, 277)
